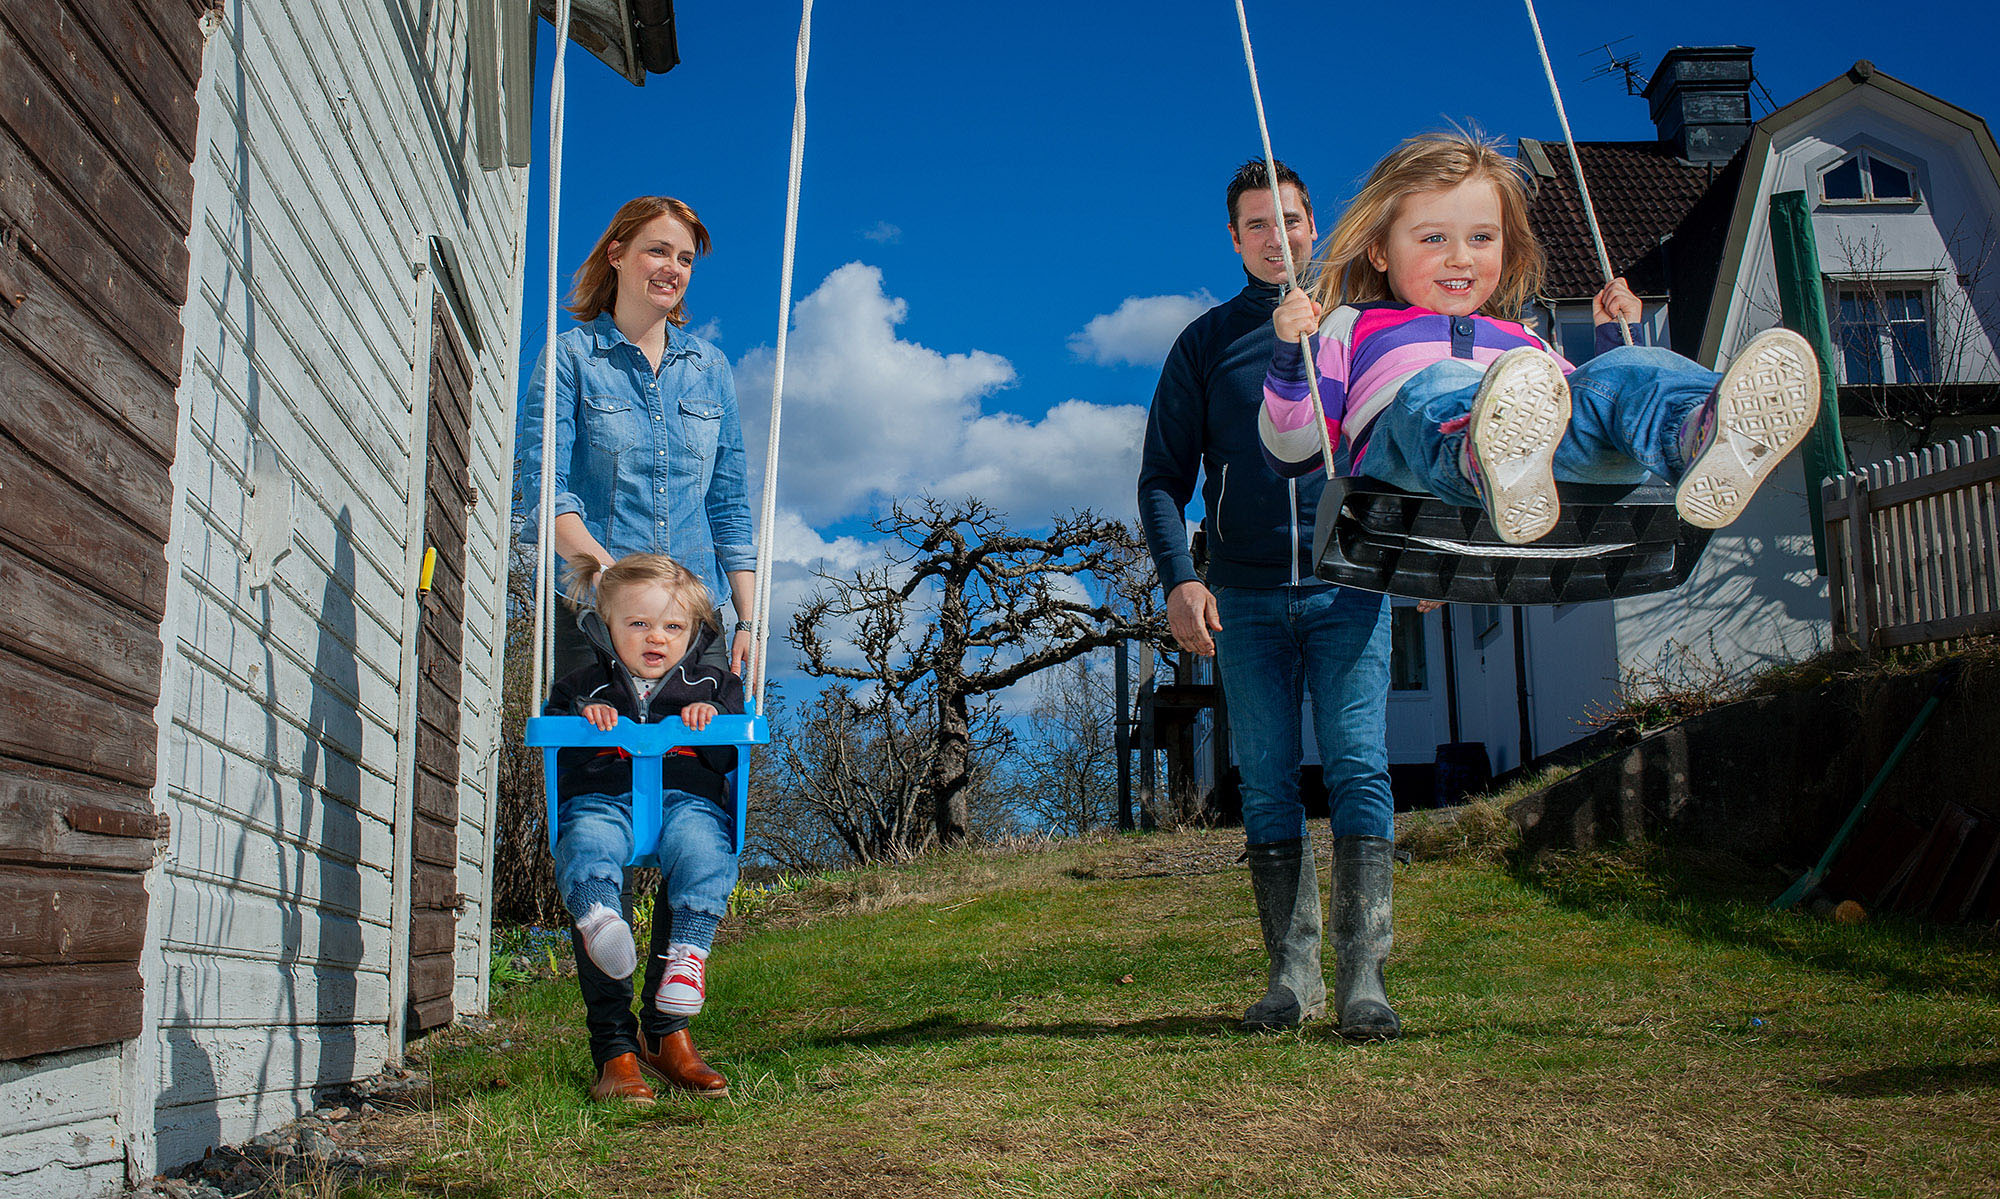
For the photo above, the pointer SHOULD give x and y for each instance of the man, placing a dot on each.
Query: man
(1276, 632)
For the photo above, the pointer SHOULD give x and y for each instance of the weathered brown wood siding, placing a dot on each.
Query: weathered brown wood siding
(97, 133)
(434, 903)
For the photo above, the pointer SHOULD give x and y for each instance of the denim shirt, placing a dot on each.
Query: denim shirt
(652, 464)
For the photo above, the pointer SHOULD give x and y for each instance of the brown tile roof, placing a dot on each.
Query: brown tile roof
(1642, 194)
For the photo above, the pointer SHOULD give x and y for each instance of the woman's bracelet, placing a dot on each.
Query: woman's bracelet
(746, 626)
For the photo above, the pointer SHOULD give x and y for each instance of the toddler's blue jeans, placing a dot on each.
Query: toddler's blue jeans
(697, 854)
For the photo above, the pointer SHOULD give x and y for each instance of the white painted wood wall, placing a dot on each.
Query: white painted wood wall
(325, 163)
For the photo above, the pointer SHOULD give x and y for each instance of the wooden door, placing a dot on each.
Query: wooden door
(434, 898)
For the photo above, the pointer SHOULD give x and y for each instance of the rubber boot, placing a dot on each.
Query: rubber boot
(1287, 890)
(1363, 930)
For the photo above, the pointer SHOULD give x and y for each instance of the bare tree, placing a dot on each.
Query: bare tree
(1066, 774)
(845, 777)
(1926, 336)
(965, 609)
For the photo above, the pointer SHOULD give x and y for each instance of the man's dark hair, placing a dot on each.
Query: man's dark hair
(1253, 175)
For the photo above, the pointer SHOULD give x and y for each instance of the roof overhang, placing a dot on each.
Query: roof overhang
(635, 38)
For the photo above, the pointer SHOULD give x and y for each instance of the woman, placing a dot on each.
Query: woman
(647, 456)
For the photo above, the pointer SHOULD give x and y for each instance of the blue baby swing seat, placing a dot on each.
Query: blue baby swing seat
(648, 744)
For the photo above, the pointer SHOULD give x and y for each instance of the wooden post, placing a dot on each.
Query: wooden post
(1861, 539)
(1123, 738)
(1802, 301)
(1147, 767)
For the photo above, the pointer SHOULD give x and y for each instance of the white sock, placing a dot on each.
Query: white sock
(607, 940)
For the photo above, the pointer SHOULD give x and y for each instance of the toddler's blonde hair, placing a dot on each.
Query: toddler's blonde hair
(688, 590)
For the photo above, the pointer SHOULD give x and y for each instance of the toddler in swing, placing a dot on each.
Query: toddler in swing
(654, 620)
(1429, 378)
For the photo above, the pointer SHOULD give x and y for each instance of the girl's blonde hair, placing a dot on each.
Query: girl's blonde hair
(1425, 163)
(633, 569)
(596, 284)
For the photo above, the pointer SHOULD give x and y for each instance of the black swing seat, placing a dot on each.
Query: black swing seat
(1611, 541)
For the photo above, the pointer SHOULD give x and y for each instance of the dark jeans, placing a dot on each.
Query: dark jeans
(607, 1001)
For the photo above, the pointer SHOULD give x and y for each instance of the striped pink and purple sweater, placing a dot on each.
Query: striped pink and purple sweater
(1365, 353)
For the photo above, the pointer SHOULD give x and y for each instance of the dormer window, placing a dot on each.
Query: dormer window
(1866, 177)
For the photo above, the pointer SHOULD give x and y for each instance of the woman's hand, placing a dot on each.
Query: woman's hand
(697, 716)
(604, 716)
(739, 652)
(1616, 303)
(1295, 316)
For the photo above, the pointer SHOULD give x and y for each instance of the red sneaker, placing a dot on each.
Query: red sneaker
(683, 987)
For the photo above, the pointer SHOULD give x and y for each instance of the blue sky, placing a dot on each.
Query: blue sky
(983, 182)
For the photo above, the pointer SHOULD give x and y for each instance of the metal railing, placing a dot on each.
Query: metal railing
(1913, 546)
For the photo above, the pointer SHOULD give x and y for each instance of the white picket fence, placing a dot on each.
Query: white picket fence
(1913, 546)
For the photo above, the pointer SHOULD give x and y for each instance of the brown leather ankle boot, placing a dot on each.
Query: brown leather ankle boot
(675, 1063)
(619, 1079)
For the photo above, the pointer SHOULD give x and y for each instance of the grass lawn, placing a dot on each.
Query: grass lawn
(1062, 1023)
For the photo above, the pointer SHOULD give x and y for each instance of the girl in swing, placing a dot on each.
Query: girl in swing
(650, 622)
(1434, 385)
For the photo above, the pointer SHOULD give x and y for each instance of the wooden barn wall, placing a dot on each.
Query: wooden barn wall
(335, 141)
(97, 129)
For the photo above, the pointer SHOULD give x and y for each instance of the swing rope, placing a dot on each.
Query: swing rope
(1284, 239)
(545, 556)
(767, 518)
(1575, 163)
(545, 550)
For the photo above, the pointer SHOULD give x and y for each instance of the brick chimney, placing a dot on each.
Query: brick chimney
(1700, 100)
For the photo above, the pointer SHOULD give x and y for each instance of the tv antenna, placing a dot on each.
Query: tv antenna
(1627, 67)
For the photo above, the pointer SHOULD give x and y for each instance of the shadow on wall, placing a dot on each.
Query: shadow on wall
(333, 743)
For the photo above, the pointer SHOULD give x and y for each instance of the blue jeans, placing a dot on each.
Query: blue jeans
(1627, 407)
(697, 861)
(1278, 644)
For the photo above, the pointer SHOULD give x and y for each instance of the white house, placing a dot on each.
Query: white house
(259, 316)
(1904, 194)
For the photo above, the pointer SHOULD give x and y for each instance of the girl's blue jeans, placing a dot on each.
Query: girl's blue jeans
(697, 855)
(1627, 407)
(1276, 646)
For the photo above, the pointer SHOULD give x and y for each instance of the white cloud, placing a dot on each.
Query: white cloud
(884, 233)
(869, 416)
(1079, 455)
(1140, 332)
(709, 330)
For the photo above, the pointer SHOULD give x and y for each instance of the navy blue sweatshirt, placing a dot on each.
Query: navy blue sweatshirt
(1204, 417)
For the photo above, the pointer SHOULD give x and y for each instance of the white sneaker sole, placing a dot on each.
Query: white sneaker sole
(1764, 407)
(1518, 418)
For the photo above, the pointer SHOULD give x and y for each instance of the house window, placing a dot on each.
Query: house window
(1885, 335)
(1866, 177)
(1408, 670)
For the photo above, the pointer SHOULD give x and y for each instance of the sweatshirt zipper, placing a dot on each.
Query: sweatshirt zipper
(1292, 485)
(1222, 489)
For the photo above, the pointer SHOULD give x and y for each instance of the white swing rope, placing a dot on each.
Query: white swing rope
(767, 518)
(1284, 239)
(545, 556)
(1575, 163)
(545, 549)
